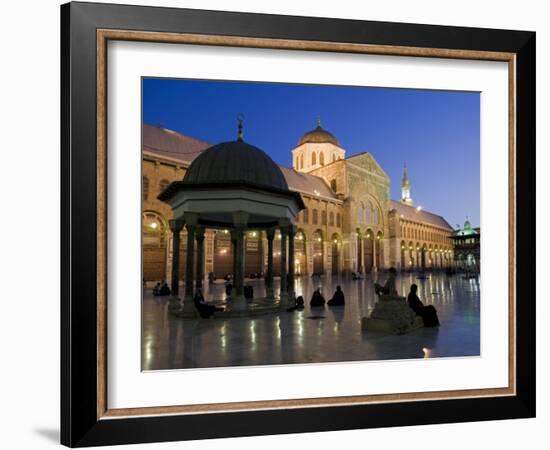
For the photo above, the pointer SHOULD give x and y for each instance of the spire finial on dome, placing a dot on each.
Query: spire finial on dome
(318, 121)
(240, 119)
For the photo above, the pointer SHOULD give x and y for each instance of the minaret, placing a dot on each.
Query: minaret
(406, 188)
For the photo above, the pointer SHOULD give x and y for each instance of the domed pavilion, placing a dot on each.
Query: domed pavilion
(232, 186)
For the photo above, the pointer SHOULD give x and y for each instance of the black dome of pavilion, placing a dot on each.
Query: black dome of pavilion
(235, 162)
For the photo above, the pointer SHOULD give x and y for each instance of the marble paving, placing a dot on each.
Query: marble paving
(326, 334)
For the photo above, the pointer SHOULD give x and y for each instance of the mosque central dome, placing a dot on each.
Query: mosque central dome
(235, 162)
(318, 136)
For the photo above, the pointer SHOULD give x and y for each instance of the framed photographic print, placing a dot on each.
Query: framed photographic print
(274, 224)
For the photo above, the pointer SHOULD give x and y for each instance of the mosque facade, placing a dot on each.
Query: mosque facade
(349, 222)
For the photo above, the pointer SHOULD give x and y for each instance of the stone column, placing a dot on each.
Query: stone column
(284, 285)
(188, 298)
(240, 220)
(374, 267)
(360, 261)
(209, 252)
(199, 236)
(237, 236)
(270, 233)
(291, 230)
(176, 225)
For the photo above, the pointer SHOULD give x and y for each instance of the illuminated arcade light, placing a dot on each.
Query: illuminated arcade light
(319, 239)
(153, 225)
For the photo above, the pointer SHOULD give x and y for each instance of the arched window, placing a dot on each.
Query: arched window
(306, 215)
(163, 185)
(323, 217)
(322, 158)
(333, 184)
(368, 213)
(302, 161)
(313, 159)
(333, 157)
(154, 231)
(376, 217)
(338, 220)
(145, 188)
(315, 217)
(331, 219)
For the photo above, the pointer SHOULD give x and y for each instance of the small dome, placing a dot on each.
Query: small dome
(318, 135)
(235, 162)
(467, 225)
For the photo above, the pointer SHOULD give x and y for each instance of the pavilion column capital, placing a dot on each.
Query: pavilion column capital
(291, 230)
(176, 225)
(270, 234)
(240, 219)
(199, 232)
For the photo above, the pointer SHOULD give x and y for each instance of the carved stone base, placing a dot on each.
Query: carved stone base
(392, 314)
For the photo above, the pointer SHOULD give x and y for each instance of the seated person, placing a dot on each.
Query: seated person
(164, 289)
(156, 289)
(337, 298)
(389, 286)
(317, 298)
(428, 313)
(299, 304)
(205, 310)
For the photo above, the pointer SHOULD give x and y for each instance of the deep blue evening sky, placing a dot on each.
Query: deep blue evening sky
(436, 133)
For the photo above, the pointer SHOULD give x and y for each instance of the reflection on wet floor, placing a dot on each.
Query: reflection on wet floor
(326, 334)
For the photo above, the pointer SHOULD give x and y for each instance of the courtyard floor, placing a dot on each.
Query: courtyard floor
(326, 334)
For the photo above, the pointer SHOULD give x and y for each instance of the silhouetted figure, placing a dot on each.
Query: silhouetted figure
(389, 286)
(317, 299)
(338, 298)
(248, 292)
(164, 289)
(299, 304)
(428, 313)
(205, 310)
(211, 277)
(156, 289)
(228, 289)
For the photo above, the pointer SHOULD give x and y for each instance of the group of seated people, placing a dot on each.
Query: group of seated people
(161, 289)
(427, 312)
(317, 300)
(337, 299)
